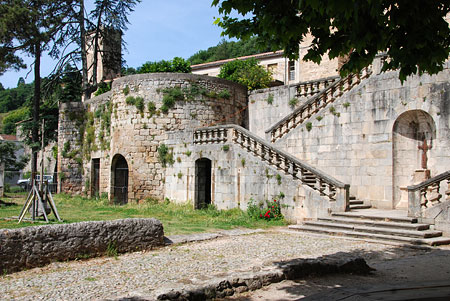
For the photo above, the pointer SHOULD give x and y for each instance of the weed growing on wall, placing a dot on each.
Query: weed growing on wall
(151, 106)
(308, 126)
(111, 249)
(278, 177)
(126, 90)
(165, 155)
(226, 148)
(293, 102)
(225, 94)
(171, 95)
(270, 99)
(138, 102)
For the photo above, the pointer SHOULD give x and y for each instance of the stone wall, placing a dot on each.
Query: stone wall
(267, 106)
(353, 139)
(70, 127)
(237, 177)
(136, 132)
(36, 246)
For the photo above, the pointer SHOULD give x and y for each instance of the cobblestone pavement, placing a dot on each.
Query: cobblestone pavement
(144, 274)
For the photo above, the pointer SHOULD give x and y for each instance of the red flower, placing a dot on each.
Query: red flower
(273, 207)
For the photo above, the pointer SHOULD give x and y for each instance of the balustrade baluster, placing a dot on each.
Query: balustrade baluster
(423, 198)
(434, 191)
(286, 165)
(447, 192)
(248, 143)
(295, 170)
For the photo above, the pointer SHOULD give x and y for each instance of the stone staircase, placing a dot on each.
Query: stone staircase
(356, 204)
(332, 90)
(366, 225)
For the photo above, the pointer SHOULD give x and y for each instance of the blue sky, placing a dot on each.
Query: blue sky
(158, 29)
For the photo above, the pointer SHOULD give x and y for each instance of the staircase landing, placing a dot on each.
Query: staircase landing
(376, 224)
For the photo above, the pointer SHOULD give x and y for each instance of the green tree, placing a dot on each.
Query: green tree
(178, 65)
(9, 158)
(70, 85)
(247, 73)
(10, 120)
(413, 33)
(12, 99)
(31, 26)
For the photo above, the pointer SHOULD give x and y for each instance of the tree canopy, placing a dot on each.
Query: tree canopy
(9, 158)
(246, 72)
(177, 65)
(412, 32)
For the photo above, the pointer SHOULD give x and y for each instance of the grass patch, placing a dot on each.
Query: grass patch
(176, 219)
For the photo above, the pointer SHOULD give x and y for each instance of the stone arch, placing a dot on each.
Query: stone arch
(410, 130)
(119, 180)
(203, 168)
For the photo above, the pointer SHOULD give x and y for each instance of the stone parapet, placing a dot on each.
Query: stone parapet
(40, 245)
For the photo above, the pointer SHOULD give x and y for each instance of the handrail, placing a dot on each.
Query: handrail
(433, 180)
(315, 103)
(312, 87)
(309, 175)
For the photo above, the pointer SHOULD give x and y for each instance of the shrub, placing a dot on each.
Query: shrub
(178, 65)
(271, 212)
(247, 73)
(102, 88)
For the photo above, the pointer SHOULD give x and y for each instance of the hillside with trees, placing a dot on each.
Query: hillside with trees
(227, 50)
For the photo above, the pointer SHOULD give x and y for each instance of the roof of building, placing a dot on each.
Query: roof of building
(221, 62)
(8, 137)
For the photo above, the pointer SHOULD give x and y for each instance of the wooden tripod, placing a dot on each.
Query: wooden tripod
(37, 202)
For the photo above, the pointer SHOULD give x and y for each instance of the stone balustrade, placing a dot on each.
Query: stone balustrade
(327, 186)
(428, 194)
(316, 103)
(311, 88)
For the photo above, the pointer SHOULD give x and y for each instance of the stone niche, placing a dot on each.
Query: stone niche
(110, 143)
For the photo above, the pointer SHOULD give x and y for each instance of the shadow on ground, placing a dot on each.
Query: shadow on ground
(398, 271)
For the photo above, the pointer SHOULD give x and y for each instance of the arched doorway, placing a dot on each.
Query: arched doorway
(202, 183)
(119, 176)
(414, 133)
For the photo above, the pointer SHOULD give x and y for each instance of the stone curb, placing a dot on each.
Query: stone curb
(294, 269)
(181, 239)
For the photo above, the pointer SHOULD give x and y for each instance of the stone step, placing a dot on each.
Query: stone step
(356, 202)
(356, 206)
(434, 241)
(374, 229)
(399, 219)
(375, 223)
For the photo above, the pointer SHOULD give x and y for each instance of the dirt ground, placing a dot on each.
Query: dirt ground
(398, 266)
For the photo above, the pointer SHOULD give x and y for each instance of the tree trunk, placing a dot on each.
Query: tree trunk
(84, 65)
(35, 110)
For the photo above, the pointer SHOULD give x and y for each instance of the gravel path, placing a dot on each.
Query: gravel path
(145, 273)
